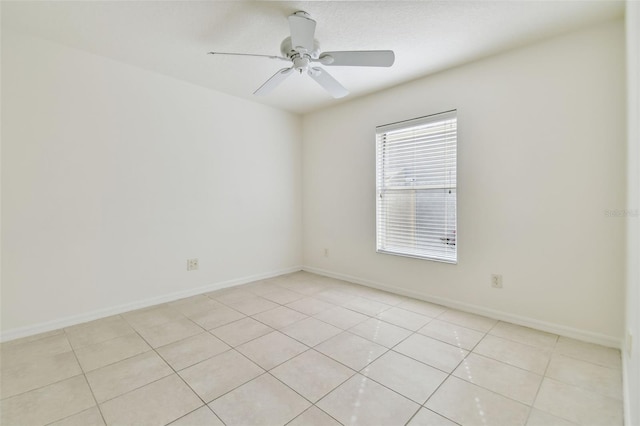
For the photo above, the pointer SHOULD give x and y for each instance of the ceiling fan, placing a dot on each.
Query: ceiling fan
(302, 50)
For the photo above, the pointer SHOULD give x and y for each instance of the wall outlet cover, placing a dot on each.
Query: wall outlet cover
(496, 281)
(192, 264)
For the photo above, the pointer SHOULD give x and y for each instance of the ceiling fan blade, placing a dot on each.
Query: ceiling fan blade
(329, 83)
(249, 54)
(358, 58)
(302, 30)
(274, 81)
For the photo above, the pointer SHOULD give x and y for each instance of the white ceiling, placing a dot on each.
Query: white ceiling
(173, 37)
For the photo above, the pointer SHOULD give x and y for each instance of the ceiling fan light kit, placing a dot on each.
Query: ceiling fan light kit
(302, 49)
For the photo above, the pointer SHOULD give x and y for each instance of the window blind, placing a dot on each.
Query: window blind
(416, 187)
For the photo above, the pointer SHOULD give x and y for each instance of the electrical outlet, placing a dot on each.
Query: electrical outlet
(629, 343)
(496, 281)
(192, 264)
(326, 252)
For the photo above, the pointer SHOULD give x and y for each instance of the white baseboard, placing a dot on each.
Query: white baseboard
(126, 307)
(574, 333)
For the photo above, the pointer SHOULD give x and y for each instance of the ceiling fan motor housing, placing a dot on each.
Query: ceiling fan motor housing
(289, 51)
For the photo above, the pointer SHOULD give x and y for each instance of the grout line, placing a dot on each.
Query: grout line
(174, 372)
(309, 408)
(544, 374)
(450, 374)
(192, 411)
(86, 380)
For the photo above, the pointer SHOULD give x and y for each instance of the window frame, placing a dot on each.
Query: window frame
(381, 132)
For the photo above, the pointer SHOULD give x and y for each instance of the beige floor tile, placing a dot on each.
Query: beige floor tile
(423, 308)
(48, 404)
(312, 374)
(341, 317)
(512, 382)
(218, 375)
(110, 351)
(426, 417)
(432, 352)
(592, 377)
(300, 276)
(452, 334)
(124, 376)
(361, 401)
(97, 331)
(279, 317)
(302, 287)
(13, 354)
(465, 319)
(596, 354)
(157, 403)
(29, 339)
(216, 318)
(187, 301)
(524, 335)
(90, 417)
(241, 331)
(310, 306)
(269, 282)
(271, 349)
(311, 331)
(151, 317)
(530, 358)
(367, 306)
(38, 372)
(540, 418)
(203, 416)
(231, 295)
(578, 405)
(314, 417)
(253, 306)
(335, 296)
(192, 350)
(262, 401)
(273, 282)
(380, 332)
(329, 281)
(384, 297)
(403, 318)
(283, 296)
(306, 288)
(260, 288)
(353, 351)
(169, 332)
(199, 305)
(408, 377)
(360, 290)
(466, 403)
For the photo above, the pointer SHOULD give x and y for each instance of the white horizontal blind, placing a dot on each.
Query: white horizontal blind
(416, 187)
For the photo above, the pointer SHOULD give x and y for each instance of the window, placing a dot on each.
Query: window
(416, 188)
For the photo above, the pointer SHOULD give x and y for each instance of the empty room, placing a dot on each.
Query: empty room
(320, 213)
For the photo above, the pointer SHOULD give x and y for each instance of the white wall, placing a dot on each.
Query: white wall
(631, 359)
(113, 176)
(541, 157)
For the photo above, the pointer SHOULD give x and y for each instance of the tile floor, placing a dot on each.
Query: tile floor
(302, 349)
